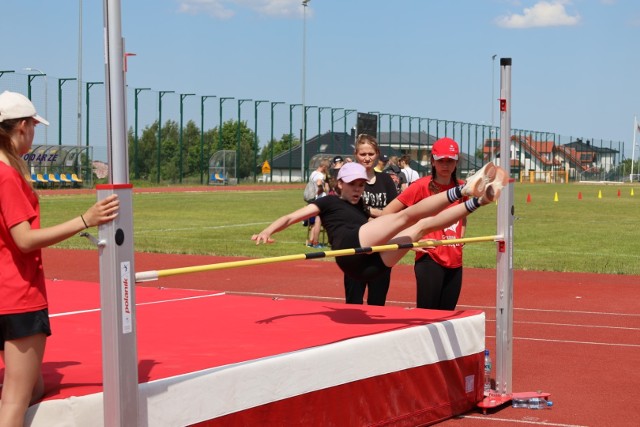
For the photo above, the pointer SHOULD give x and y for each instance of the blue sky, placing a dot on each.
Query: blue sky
(575, 62)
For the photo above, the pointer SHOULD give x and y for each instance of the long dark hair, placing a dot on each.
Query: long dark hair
(9, 150)
(432, 185)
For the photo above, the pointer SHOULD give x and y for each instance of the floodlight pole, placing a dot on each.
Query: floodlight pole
(633, 147)
(304, 77)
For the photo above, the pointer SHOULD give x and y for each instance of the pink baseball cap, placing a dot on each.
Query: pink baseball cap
(351, 171)
(445, 148)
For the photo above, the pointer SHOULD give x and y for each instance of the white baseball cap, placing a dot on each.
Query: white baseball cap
(15, 105)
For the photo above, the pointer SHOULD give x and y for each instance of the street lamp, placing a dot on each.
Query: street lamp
(273, 104)
(160, 95)
(291, 107)
(135, 134)
(60, 83)
(320, 119)
(391, 117)
(255, 138)
(306, 110)
(346, 113)
(240, 102)
(493, 81)
(304, 76)
(202, 98)
(220, 123)
(333, 143)
(88, 85)
(182, 97)
(30, 78)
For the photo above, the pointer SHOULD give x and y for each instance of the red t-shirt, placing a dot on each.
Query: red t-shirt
(447, 255)
(22, 287)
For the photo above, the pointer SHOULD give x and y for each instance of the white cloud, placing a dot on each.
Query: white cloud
(542, 14)
(225, 9)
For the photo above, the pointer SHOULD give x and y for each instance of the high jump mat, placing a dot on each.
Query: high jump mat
(208, 358)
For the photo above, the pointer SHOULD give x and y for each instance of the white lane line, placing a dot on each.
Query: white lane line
(573, 342)
(92, 310)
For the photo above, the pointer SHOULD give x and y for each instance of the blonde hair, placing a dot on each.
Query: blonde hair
(9, 150)
(363, 139)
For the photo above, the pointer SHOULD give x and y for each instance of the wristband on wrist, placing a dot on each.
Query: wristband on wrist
(84, 222)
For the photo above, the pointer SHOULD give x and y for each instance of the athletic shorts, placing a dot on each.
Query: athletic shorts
(360, 266)
(20, 325)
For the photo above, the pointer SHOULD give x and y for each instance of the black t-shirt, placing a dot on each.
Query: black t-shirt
(341, 219)
(380, 193)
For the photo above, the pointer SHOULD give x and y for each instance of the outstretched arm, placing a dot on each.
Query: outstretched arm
(28, 239)
(285, 221)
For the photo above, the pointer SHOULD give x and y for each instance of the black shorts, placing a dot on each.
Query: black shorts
(360, 266)
(20, 325)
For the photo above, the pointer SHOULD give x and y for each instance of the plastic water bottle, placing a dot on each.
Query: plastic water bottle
(487, 373)
(539, 403)
(532, 403)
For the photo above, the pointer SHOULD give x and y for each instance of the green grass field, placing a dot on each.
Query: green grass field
(596, 235)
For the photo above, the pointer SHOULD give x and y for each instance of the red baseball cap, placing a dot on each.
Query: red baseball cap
(445, 147)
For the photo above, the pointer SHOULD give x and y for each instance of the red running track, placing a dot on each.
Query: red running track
(576, 335)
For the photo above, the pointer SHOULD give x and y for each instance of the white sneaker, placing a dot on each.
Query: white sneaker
(476, 183)
(493, 189)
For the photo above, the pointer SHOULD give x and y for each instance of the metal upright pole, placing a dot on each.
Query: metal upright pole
(504, 268)
(180, 144)
(633, 147)
(201, 167)
(115, 245)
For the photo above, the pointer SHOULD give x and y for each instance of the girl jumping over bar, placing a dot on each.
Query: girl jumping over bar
(348, 225)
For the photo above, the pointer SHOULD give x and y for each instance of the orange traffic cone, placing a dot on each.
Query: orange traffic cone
(579, 195)
(528, 198)
(618, 192)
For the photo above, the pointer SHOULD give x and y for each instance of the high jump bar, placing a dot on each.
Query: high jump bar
(147, 276)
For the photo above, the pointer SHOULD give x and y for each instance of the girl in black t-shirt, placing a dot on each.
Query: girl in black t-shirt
(347, 220)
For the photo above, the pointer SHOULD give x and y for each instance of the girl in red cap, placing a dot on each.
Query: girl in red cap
(438, 270)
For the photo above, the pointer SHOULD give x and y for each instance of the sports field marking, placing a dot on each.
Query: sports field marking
(576, 325)
(92, 310)
(573, 342)
(218, 227)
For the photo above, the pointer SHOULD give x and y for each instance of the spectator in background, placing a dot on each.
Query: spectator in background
(405, 165)
(382, 163)
(396, 174)
(379, 190)
(319, 176)
(336, 164)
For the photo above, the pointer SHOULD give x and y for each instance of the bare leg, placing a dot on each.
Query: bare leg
(385, 227)
(315, 231)
(22, 378)
(413, 233)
